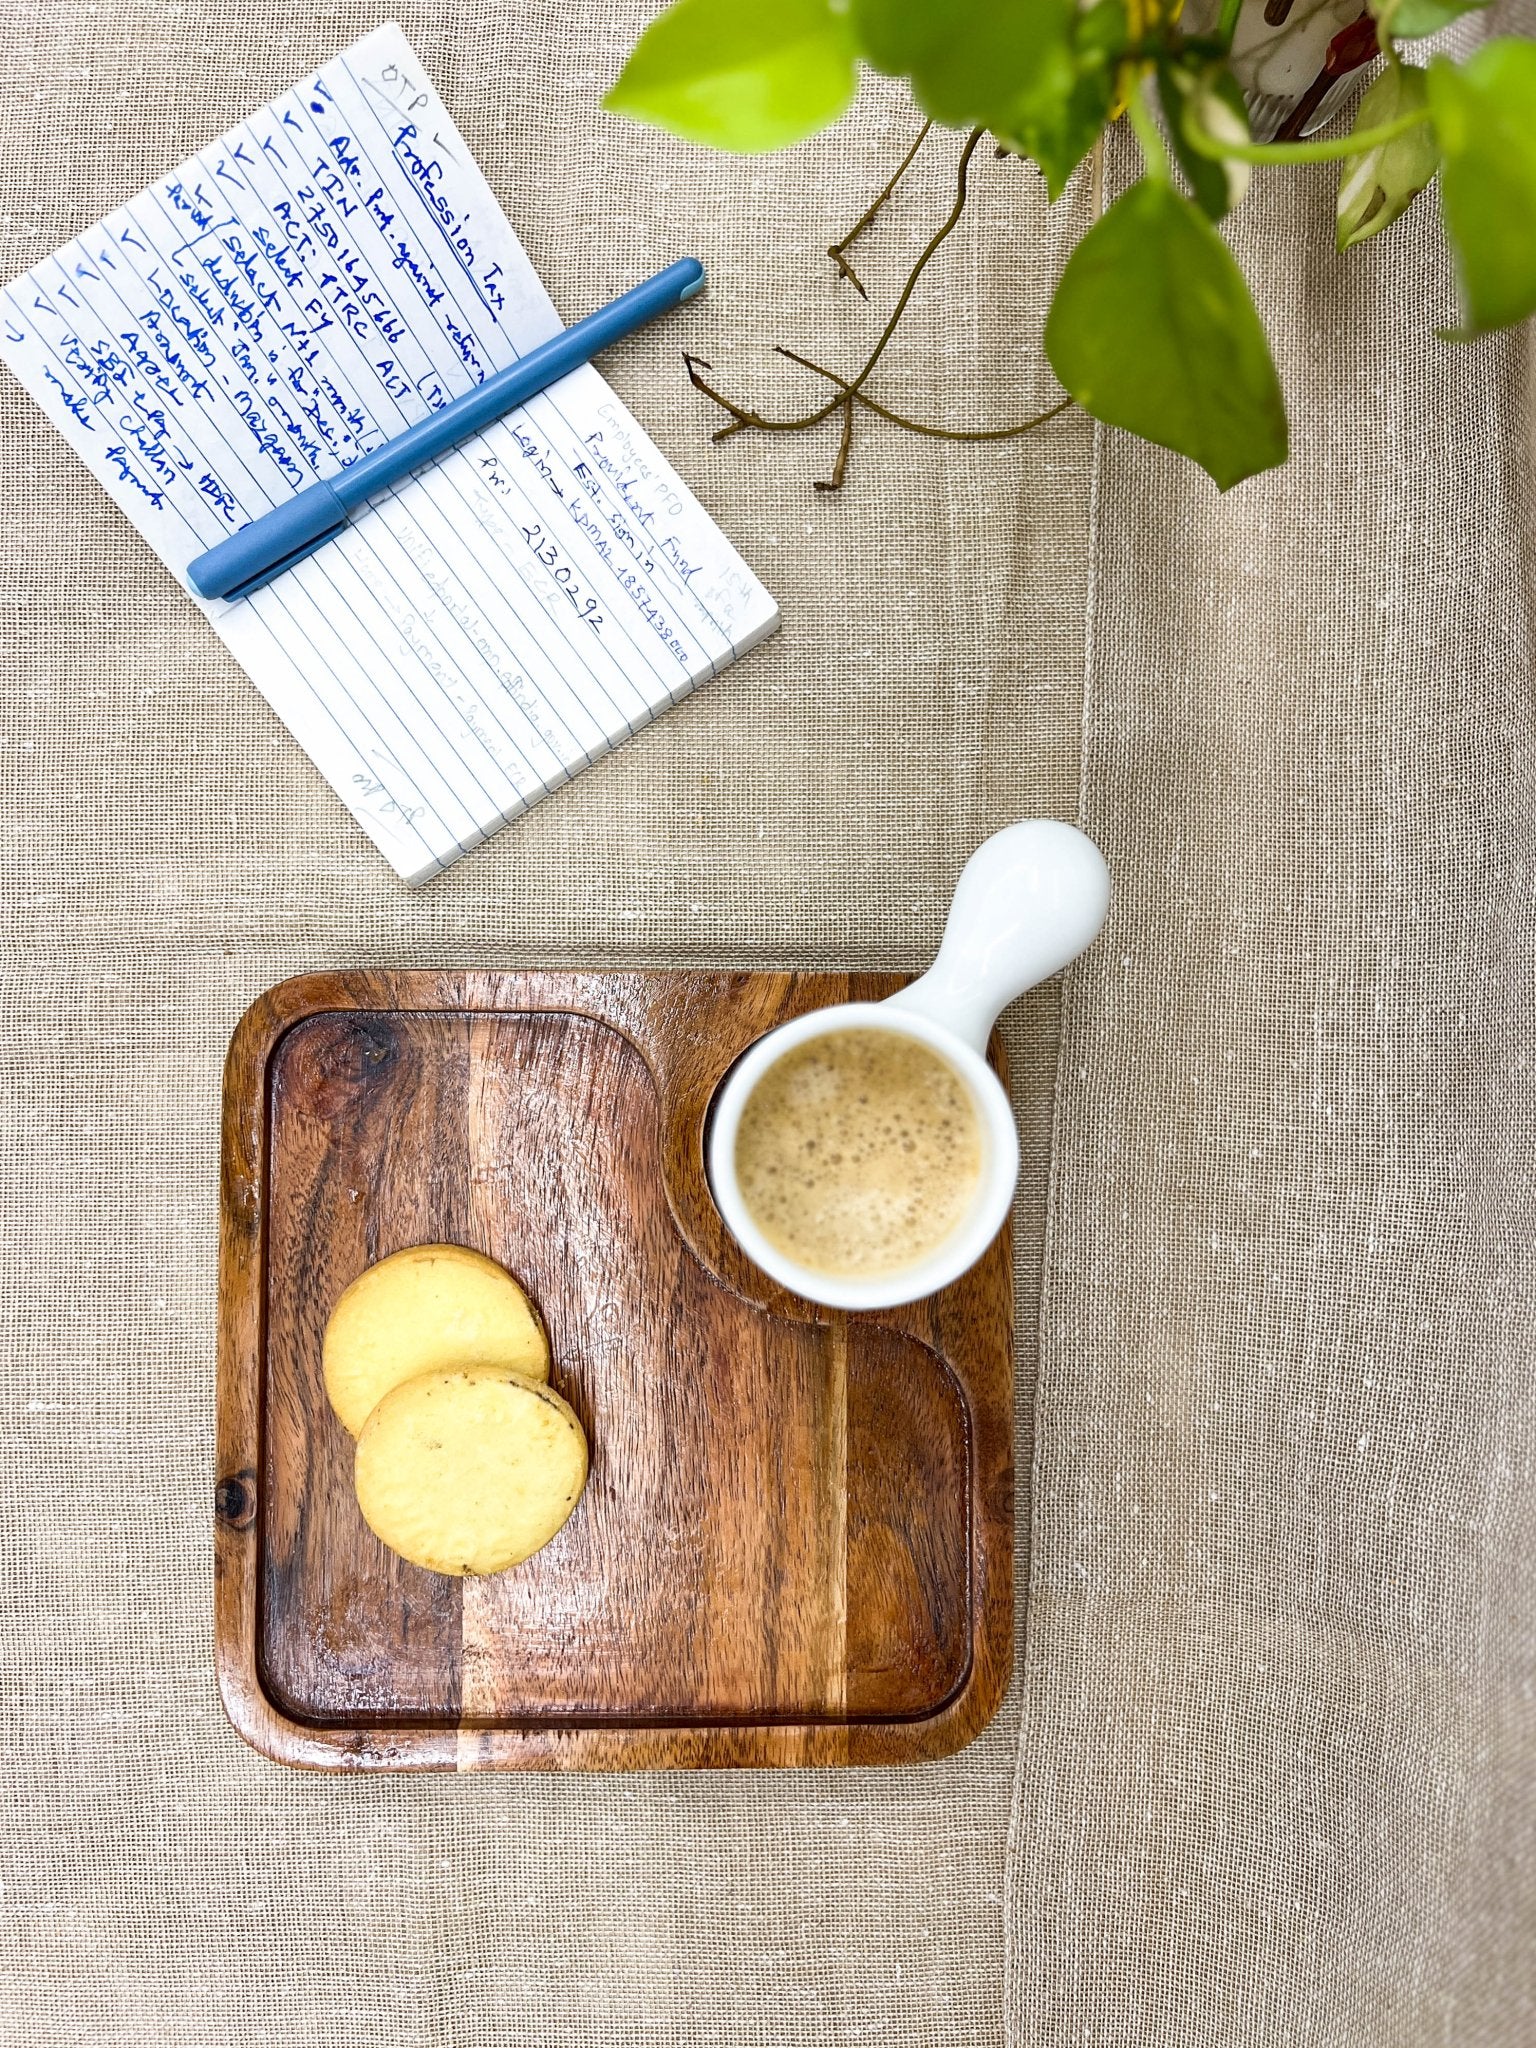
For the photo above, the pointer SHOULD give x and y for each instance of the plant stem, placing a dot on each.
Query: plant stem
(1148, 135)
(844, 449)
(922, 426)
(850, 395)
(1323, 152)
(838, 251)
(1227, 25)
(950, 223)
(741, 417)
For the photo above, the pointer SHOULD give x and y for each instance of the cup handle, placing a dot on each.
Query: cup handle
(1028, 900)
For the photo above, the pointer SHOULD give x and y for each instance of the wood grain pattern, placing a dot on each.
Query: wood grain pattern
(796, 1541)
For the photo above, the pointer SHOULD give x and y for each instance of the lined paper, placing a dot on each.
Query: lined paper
(326, 274)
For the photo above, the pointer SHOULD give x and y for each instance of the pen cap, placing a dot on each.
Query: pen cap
(261, 548)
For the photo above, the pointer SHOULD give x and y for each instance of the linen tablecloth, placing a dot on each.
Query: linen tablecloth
(1265, 1773)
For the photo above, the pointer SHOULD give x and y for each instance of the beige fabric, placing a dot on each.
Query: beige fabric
(1274, 1777)
(170, 853)
(1278, 1747)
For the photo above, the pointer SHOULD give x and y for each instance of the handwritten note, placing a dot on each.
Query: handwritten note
(325, 275)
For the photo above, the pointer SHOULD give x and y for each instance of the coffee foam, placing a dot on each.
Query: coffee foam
(859, 1153)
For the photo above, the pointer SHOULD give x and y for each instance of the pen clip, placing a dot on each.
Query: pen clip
(280, 567)
(273, 541)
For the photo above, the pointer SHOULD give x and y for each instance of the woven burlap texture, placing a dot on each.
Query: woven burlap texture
(1279, 1730)
(1268, 1762)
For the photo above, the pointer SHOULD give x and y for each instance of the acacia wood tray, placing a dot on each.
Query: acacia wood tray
(795, 1546)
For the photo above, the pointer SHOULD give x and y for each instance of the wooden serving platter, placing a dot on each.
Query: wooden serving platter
(796, 1543)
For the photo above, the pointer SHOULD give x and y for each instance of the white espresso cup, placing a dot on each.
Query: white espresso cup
(1029, 899)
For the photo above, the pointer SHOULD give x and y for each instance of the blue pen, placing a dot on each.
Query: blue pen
(288, 533)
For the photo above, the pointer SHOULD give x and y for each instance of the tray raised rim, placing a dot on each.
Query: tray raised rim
(622, 999)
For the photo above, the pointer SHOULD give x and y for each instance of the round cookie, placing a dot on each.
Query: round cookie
(469, 1472)
(427, 1309)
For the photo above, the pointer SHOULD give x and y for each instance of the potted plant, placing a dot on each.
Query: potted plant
(1151, 327)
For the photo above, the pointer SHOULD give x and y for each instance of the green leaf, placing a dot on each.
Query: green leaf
(970, 61)
(898, 35)
(1101, 33)
(739, 76)
(1152, 329)
(1406, 19)
(1059, 114)
(1057, 123)
(1212, 100)
(1375, 188)
(1485, 120)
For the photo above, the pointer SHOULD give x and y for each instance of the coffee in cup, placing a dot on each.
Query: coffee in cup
(877, 1224)
(859, 1152)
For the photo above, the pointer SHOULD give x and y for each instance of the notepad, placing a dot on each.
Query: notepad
(323, 276)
